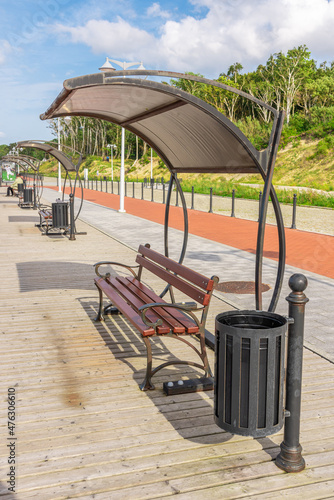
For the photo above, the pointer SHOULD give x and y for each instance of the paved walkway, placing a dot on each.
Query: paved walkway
(225, 246)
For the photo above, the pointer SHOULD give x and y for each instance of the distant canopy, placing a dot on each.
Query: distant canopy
(59, 155)
(188, 134)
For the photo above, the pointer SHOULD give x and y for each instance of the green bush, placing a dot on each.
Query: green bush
(257, 133)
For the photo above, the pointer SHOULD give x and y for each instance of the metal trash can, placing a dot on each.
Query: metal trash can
(60, 214)
(20, 187)
(27, 195)
(249, 372)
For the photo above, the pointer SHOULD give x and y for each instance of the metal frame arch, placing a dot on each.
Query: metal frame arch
(66, 163)
(255, 161)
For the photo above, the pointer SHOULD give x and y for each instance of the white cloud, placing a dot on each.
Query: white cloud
(110, 37)
(2, 134)
(155, 11)
(232, 31)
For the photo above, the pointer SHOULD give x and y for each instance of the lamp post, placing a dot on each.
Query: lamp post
(107, 66)
(59, 166)
(112, 147)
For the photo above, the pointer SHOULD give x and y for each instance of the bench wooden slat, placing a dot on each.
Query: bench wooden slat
(176, 314)
(135, 301)
(181, 270)
(174, 280)
(124, 307)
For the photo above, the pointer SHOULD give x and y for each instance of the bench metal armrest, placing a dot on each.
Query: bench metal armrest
(186, 308)
(107, 275)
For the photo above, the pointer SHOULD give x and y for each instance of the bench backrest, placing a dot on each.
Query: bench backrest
(189, 282)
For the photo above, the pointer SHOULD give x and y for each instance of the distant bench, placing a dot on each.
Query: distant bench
(45, 218)
(150, 314)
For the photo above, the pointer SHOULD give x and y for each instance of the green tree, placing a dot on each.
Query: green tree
(287, 73)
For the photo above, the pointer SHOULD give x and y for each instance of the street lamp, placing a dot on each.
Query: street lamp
(151, 167)
(112, 147)
(107, 66)
(59, 166)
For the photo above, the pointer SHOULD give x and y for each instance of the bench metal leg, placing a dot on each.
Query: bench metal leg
(204, 356)
(99, 316)
(147, 383)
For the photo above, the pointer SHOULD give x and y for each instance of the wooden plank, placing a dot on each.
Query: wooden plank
(178, 316)
(174, 280)
(181, 270)
(124, 307)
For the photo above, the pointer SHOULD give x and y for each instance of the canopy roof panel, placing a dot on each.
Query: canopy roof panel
(187, 133)
(59, 155)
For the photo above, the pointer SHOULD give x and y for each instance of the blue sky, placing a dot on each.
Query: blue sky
(44, 42)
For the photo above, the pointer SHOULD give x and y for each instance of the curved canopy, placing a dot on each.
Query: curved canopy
(186, 132)
(59, 155)
(23, 161)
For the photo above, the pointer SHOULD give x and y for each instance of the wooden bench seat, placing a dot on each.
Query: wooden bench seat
(45, 218)
(149, 313)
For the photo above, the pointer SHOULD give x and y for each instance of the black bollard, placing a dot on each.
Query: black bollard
(72, 236)
(192, 198)
(152, 186)
(290, 458)
(142, 190)
(233, 203)
(294, 210)
(133, 189)
(34, 195)
(112, 187)
(163, 194)
(177, 197)
(125, 190)
(210, 209)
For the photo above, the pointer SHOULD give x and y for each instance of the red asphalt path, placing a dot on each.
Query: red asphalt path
(305, 250)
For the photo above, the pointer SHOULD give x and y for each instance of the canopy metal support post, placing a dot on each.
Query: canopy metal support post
(263, 211)
(174, 179)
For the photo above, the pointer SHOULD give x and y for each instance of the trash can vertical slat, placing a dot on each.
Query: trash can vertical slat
(271, 381)
(236, 355)
(253, 384)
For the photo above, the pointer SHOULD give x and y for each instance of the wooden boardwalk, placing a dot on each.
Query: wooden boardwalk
(85, 430)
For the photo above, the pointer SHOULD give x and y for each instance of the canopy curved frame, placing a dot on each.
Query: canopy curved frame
(26, 163)
(187, 133)
(65, 162)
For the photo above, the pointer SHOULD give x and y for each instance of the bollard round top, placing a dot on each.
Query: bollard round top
(298, 282)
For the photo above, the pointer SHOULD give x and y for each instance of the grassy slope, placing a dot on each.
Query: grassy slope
(296, 165)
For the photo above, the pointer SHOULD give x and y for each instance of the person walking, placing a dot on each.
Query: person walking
(10, 189)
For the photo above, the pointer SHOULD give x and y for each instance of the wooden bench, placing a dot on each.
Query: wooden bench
(150, 314)
(45, 218)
